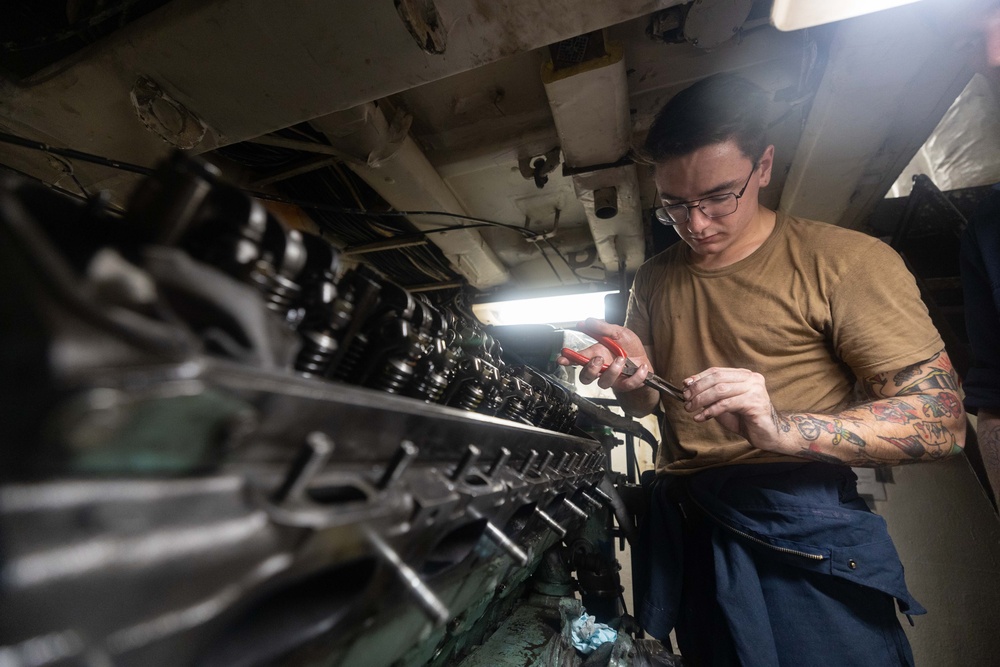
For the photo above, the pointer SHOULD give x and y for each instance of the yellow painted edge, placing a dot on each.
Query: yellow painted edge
(615, 53)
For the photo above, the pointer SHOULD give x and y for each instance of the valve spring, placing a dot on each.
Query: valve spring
(395, 375)
(469, 398)
(351, 359)
(542, 415)
(491, 403)
(428, 387)
(315, 357)
(515, 409)
(280, 293)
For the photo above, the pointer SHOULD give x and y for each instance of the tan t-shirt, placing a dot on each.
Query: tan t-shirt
(813, 309)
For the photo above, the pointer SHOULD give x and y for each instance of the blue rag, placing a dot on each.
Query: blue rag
(587, 635)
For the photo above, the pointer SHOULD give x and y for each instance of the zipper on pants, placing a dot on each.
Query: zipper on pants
(752, 538)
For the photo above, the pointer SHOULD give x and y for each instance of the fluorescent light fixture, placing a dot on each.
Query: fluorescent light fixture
(568, 309)
(799, 14)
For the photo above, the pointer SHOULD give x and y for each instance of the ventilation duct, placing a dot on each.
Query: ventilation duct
(590, 106)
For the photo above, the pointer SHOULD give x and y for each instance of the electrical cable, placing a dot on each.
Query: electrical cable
(74, 154)
(268, 155)
(551, 265)
(527, 233)
(317, 206)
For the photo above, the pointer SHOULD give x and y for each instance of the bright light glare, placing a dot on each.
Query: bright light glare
(799, 14)
(543, 310)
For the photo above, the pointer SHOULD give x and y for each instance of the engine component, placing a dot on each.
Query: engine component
(222, 450)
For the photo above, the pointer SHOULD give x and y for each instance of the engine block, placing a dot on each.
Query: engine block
(222, 448)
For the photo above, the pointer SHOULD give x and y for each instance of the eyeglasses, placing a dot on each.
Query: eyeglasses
(715, 206)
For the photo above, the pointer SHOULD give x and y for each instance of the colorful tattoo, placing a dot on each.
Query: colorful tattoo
(894, 411)
(811, 427)
(874, 384)
(936, 379)
(943, 404)
(920, 402)
(934, 373)
(932, 440)
(907, 374)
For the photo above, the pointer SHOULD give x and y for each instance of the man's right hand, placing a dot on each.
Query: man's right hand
(612, 378)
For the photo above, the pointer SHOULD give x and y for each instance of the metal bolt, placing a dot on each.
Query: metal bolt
(551, 523)
(545, 462)
(499, 462)
(599, 491)
(310, 460)
(526, 466)
(462, 469)
(507, 544)
(574, 508)
(593, 502)
(425, 597)
(401, 459)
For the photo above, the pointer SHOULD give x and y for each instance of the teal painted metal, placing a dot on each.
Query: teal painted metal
(531, 637)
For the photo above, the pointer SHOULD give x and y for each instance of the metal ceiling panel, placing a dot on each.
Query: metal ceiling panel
(248, 67)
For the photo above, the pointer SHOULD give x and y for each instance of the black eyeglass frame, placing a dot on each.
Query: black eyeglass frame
(661, 214)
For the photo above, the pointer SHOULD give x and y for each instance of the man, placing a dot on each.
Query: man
(760, 551)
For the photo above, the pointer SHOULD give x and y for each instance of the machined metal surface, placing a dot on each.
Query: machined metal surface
(179, 487)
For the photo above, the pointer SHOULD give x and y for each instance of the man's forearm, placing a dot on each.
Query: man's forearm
(888, 431)
(638, 402)
(988, 431)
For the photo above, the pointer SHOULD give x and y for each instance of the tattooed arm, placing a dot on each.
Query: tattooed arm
(913, 414)
(988, 430)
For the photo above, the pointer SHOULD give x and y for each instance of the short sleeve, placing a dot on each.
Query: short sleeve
(879, 322)
(637, 316)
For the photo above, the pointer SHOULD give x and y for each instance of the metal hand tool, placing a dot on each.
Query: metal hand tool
(652, 380)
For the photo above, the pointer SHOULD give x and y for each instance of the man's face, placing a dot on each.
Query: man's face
(716, 170)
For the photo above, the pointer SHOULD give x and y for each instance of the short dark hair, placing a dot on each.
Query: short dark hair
(714, 110)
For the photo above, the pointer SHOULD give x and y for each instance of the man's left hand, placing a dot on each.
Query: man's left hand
(737, 398)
